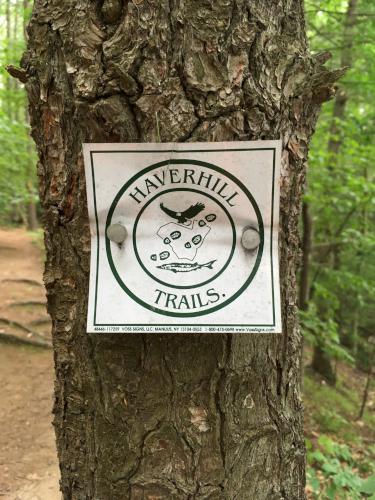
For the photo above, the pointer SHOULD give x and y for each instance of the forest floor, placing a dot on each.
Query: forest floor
(28, 463)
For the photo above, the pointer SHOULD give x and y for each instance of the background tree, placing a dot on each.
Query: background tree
(18, 191)
(341, 194)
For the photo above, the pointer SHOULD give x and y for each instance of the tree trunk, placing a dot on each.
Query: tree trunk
(321, 363)
(365, 394)
(304, 287)
(321, 360)
(346, 59)
(371, 351)
(32, 218)
(163, 415)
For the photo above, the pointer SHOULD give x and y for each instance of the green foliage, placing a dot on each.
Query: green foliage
(333, 472)
(340, 464)
(323, 332)
(332, 410)
(341, 188)
(368, 486)
(331, 421)
(18, 184)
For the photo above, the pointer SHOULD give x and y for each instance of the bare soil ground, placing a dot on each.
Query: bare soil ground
(28, 463)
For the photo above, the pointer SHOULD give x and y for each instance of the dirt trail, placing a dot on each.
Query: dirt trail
(28, 464)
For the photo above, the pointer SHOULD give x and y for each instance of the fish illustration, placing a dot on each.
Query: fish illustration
(182, 267)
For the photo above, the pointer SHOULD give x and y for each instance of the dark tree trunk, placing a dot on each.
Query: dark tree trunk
(170, 416)
(371, 348)
(32, 218)
(365, 394)
(321, 363)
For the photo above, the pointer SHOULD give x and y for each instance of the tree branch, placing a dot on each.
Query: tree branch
(18, 73)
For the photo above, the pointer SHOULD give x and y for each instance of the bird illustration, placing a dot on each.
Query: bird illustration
(183, 217)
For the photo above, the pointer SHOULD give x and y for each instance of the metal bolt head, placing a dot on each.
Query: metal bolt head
(250, 238)
(117, 233)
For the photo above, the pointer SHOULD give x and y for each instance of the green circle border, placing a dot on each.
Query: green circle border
(200, 164)
(189, 286)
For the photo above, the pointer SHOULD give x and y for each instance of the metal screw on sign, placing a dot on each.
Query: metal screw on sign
(250, 238)
(117, 233)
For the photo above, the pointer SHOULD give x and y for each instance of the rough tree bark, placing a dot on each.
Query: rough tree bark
(170, 416)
